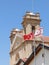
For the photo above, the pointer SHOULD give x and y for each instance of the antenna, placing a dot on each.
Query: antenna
(33, 5)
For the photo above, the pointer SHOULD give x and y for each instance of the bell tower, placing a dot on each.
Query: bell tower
(30, 20)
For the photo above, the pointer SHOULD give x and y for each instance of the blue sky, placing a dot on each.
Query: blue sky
(11, 14)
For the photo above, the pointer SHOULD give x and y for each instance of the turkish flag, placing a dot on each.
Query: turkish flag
(29, 36)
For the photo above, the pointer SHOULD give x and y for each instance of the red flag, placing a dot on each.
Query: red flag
(32, 35)
(29, 36)
(25, 37)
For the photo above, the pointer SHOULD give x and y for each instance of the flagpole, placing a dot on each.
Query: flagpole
(34, 44)
(43, 48)
(43, 52)
(34, 52)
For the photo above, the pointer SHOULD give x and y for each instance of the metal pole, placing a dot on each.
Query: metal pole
(34, 52)
(43, 55)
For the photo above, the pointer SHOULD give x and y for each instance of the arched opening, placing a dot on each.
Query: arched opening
(33, 29)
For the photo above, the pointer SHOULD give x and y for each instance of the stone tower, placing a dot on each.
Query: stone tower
(30, 20)
(21, 49)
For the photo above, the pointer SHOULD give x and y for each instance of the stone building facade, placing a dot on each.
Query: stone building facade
(20, 48)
